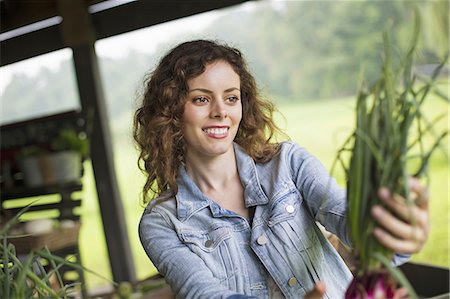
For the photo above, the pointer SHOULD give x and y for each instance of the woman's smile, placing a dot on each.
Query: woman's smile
(217, 132)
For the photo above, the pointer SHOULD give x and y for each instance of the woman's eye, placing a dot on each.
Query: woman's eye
(200, 100)
(232, 99)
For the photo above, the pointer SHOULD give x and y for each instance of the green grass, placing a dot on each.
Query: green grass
(320, 126)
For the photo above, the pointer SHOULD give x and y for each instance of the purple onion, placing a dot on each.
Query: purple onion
(371, 285)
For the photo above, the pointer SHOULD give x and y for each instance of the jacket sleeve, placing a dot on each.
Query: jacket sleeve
(326, 200)
(183, 270)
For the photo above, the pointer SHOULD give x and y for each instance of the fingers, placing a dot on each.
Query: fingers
(318, 292)
(407, 212)
(397, 227)
(420, 192)
(396, 244)
(404, 227)
(401, 293)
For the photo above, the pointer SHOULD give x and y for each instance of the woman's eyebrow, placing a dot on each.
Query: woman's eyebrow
(201, 90)
(232, 89)
(209, 91)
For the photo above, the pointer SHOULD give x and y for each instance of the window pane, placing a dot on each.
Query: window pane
(39, 86)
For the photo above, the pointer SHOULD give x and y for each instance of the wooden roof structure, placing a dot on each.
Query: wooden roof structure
(106, 20)
(77, 24)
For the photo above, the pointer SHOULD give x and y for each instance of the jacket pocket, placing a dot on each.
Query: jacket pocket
(284, 207)
(207, 241)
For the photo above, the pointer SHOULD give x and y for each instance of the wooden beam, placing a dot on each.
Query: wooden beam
(79, 35)
(18, 13)
(18, 48)
(141, 14)
(117, 20)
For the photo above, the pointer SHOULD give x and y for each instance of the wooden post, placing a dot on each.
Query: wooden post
(78, 33)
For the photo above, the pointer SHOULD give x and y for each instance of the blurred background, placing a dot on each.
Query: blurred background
(309, 58)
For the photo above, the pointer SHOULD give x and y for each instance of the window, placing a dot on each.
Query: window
(39, 86)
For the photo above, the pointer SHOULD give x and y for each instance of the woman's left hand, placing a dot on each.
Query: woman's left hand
(403, 228)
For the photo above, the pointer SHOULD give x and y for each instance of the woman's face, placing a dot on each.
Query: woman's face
(213, 111)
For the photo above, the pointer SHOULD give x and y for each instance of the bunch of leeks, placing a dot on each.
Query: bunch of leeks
(390, 133)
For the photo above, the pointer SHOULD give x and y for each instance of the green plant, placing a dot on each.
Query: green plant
(69, 139)
(392, 141)
(32, 151)
(28, 277)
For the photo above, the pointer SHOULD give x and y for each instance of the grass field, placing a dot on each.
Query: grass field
(320, 126)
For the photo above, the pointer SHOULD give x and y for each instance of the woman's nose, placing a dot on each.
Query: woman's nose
(218, 110)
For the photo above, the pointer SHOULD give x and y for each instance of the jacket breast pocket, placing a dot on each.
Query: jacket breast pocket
(291, 223)
(214, 248)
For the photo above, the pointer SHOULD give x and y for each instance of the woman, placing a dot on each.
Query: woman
(234, 214)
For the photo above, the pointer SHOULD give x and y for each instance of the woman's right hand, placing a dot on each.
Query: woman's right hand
(317, 292)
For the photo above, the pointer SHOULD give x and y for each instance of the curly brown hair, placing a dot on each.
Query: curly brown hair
(158, 121)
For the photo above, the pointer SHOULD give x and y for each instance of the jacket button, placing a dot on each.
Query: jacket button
(292, 281)
(209, 243)
(262, 240)
(290, 209)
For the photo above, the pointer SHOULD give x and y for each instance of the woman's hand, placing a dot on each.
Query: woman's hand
(403, 228)
(317, 293)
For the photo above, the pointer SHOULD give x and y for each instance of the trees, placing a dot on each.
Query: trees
(298, 50)
(316, 49)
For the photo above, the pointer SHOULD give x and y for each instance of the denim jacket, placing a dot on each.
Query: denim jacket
(206, 251)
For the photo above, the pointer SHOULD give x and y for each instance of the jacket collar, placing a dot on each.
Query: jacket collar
(248, 174)
(190, 199)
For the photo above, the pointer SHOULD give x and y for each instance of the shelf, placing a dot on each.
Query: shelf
(54, 240)
(23, 191)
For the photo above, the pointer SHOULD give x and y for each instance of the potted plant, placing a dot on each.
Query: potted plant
(58, 162)
(31, 164)
(70, 149)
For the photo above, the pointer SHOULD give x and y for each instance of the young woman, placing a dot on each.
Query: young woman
(235, 214)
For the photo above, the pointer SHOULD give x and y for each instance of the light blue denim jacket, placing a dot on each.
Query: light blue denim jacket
(206, 251)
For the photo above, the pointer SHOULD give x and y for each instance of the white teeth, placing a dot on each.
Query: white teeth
(216, 131)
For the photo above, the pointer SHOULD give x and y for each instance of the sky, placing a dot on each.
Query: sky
(139, 39)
